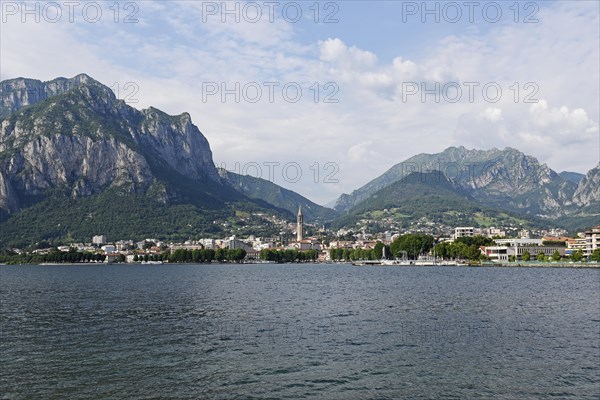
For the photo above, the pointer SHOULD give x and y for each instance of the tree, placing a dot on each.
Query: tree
(577, 256)
(541, 256)
(595, 255)
(442, 250)
(220, 255)
(378, 250)
(476, 240)
(413, 244)
(512, 258)
(526, 256)
(236, 255)
(556, 255)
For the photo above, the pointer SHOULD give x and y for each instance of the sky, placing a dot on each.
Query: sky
(322, 97)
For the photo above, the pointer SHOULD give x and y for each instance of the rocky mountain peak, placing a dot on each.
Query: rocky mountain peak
(75, 134)
(20, 92)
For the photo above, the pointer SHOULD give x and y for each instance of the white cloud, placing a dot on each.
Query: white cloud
(336, 52)
(493, 114)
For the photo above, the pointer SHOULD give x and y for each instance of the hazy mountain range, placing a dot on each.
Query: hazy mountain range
(76, 161)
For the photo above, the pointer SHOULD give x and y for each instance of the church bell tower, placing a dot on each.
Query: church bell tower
(299, 225)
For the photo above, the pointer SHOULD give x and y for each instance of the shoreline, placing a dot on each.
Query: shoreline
(591, 265)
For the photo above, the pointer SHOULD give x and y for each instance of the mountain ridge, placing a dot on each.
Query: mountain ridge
(506, 179)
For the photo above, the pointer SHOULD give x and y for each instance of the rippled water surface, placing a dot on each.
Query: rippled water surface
(298, 331)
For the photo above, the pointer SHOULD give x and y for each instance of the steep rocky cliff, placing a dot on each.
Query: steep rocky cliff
(76, 135)
(588, 191)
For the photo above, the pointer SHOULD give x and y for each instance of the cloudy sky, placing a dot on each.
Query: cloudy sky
(335, 91)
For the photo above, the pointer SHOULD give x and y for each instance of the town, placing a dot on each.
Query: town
(466, 245)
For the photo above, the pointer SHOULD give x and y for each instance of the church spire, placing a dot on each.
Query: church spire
(299, 220)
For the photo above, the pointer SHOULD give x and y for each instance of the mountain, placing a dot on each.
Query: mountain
(574, 177)
(75, 161)
(427, 195)
(588, 190)
(584, 210)
(505, 179)
(418, 193)
(21, 92)
(257, 188)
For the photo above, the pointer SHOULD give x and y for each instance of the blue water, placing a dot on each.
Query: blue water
(298, 331)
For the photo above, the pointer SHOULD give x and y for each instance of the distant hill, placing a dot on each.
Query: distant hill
(257, 188)
(424, 195)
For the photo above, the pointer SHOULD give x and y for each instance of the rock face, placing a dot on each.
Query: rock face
(20, 92)
(74, 134)
(588, 191)
(505, 179)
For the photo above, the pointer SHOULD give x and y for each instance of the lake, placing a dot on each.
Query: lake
(298, 331)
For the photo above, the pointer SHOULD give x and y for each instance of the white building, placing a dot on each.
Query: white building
(208, 243)
(99, 240)
(496, 253)
(502, 253)
(234, 243)
(109, 248)
(519, 242)
(463, 231)
(592, 240)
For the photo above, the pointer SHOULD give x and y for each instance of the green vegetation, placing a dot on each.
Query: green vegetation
(262, 189)
(556, 256)
(577, 256)
(412, 245)
(290, 255)
(595, 255)
(54, 256)
(340, 254)
(203, 255)
(118, 215)
(463, 248)
(375, 253)
(526, 256)
(430, 196)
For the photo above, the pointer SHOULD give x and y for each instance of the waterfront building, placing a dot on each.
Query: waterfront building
(592, 240)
